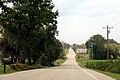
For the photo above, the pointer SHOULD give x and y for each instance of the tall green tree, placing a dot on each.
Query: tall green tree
(27, 24)
(53, 50)
(96, 43)
(74, 47)
(114, 50)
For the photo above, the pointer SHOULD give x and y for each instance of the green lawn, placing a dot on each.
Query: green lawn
(82, 59)
(8, 69)
(113, 75)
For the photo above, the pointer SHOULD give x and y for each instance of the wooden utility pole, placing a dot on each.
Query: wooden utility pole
(108, 31)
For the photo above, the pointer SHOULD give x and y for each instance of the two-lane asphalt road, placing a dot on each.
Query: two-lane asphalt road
(68, 71)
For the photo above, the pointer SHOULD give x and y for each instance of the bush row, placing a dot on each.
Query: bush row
(109, 66)
(21, 67)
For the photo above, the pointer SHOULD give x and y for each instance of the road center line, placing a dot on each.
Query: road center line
(90, 74)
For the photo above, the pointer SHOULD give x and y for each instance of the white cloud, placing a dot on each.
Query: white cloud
(65, 6)
(80, 19)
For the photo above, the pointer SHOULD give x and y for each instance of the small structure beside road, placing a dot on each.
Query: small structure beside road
(81, 51)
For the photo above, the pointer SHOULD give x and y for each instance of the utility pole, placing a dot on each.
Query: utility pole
(92, 51)
(92, 45)
(108, 31)
(84, 52)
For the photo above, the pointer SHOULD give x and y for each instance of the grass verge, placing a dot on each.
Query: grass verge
(113, 75)
(60, 61)
(82, 62)
(21, 67)
(8, 69)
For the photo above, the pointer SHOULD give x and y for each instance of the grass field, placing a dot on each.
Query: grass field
(81, 59)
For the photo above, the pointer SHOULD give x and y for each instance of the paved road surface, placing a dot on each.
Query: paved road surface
(68, 71)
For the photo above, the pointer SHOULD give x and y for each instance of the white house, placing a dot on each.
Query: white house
(81, 51)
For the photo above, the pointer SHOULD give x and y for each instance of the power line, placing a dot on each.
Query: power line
(116, 15)
(114, 18)
(117, 23)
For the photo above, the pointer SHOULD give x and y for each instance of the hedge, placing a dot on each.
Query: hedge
(109, 66)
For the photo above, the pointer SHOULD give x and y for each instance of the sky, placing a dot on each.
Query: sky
(80, 19)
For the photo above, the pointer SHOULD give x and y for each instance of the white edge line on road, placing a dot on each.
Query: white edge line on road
(90, 74)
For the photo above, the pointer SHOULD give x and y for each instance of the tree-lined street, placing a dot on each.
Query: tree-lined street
(70, 70)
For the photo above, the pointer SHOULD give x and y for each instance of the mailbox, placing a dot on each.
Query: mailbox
(6, 60)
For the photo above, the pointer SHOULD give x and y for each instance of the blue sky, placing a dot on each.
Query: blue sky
(80, 19)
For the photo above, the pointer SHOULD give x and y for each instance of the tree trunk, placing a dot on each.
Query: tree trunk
(29, 61)
(23, 56)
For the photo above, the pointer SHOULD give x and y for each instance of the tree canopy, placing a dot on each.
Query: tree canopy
(98, 46)
(30, 27)
(97, 43)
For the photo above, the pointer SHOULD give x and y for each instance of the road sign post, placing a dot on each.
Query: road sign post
(4, 68)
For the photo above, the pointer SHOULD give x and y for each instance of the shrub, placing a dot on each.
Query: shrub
(22, 67)
(110, 66)
(19, 67)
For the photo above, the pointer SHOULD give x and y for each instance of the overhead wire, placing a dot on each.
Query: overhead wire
(116, 15)
(114, 18)
(116, 23)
